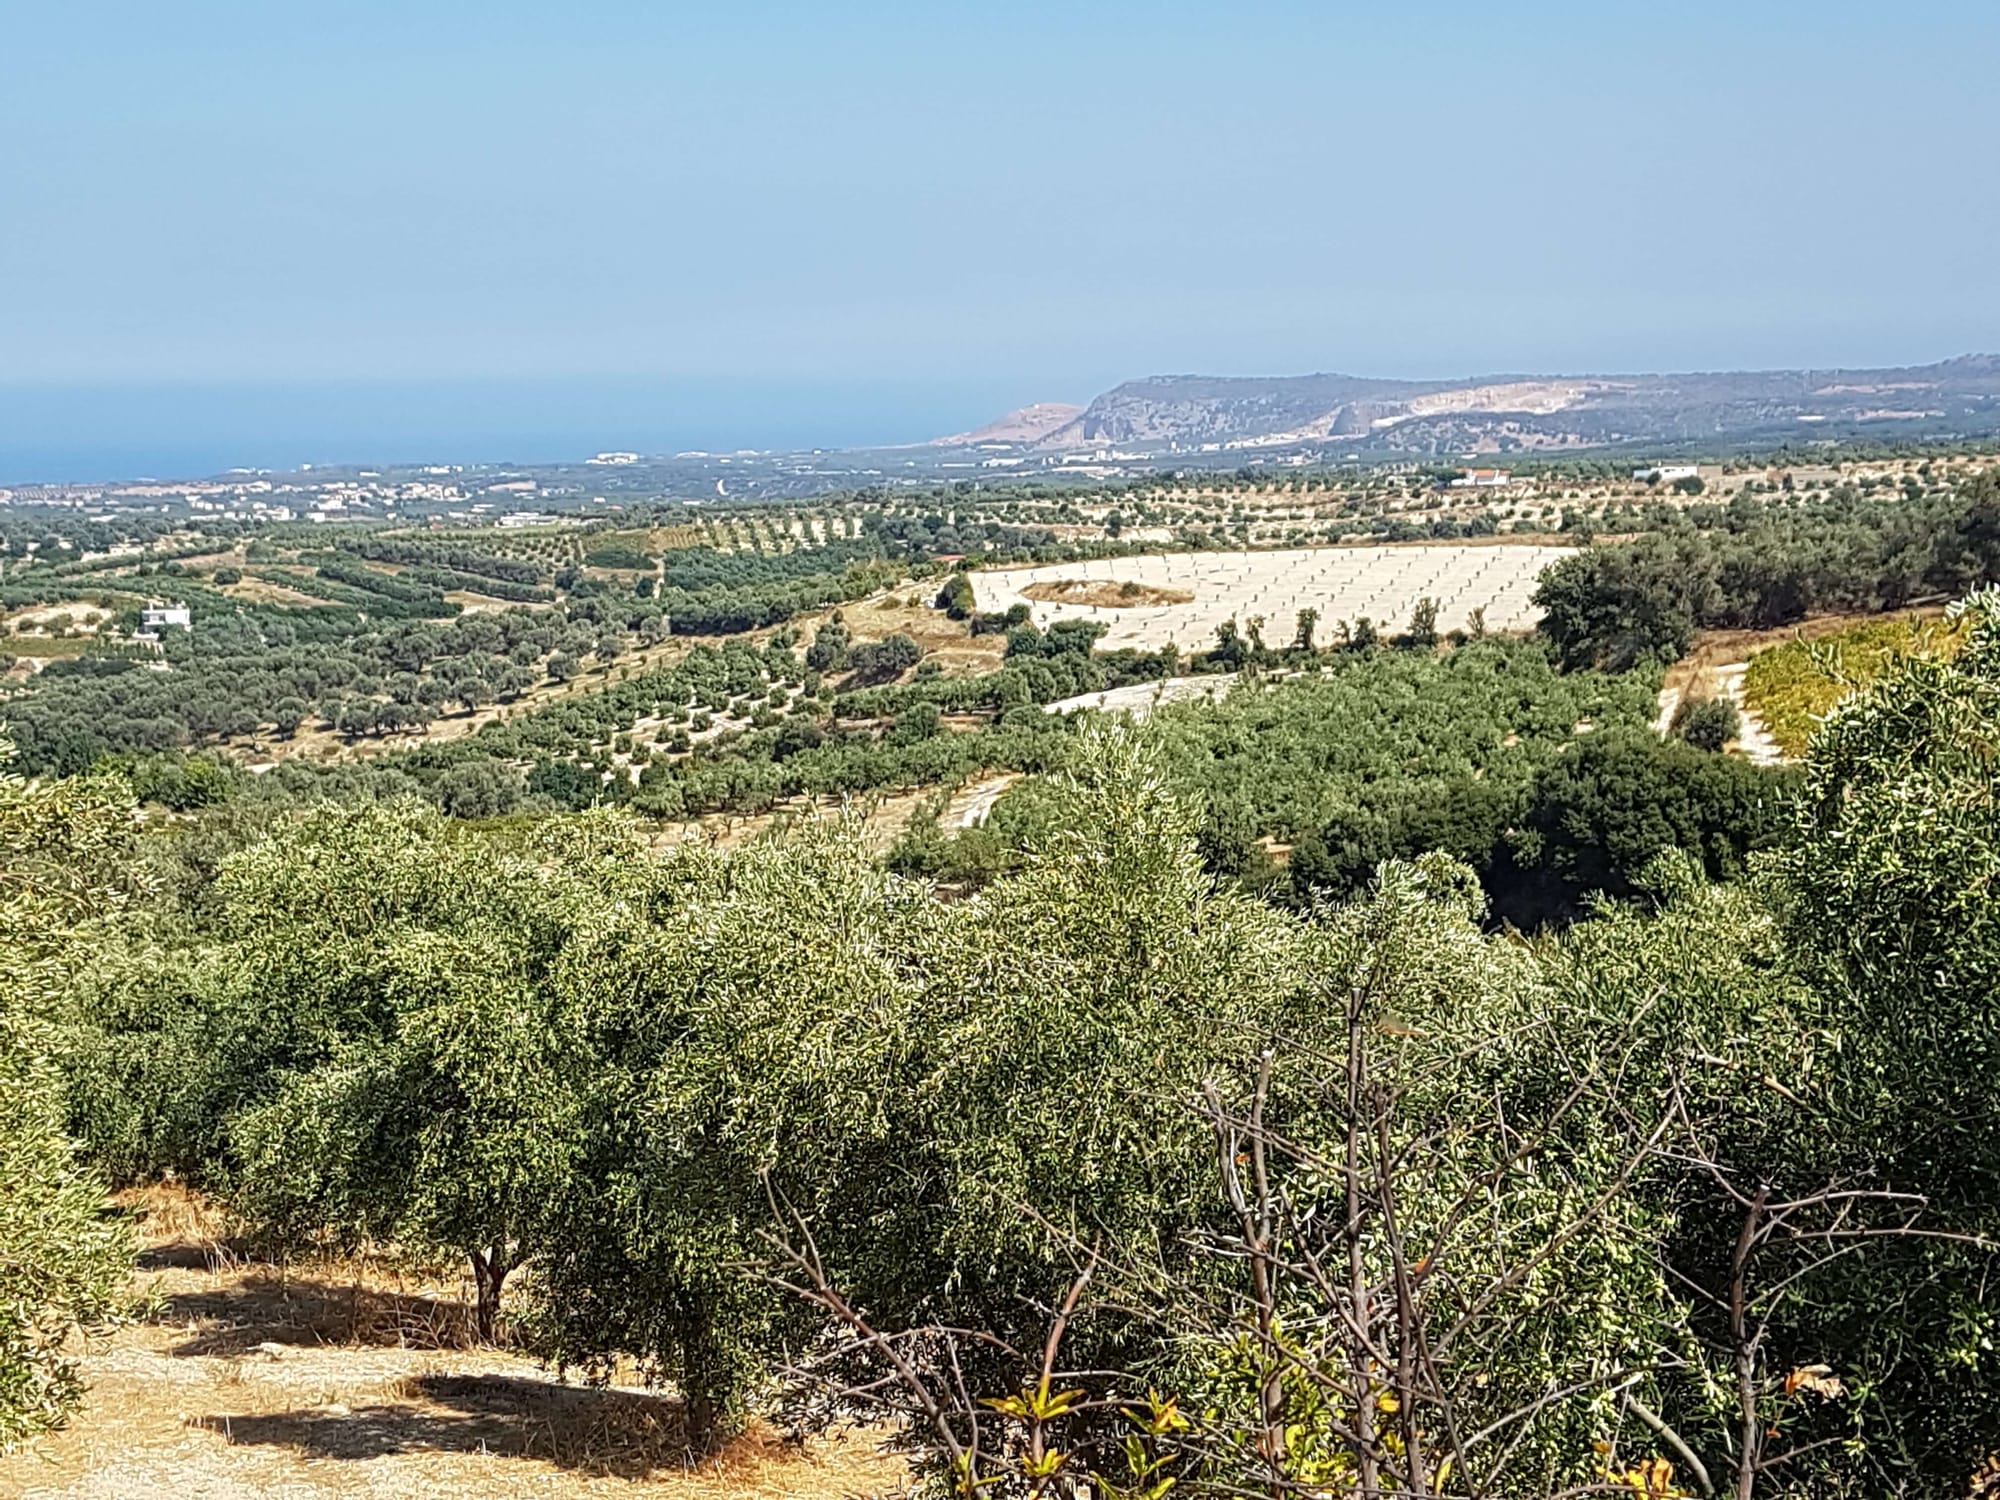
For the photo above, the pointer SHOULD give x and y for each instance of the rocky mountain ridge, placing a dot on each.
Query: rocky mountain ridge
(1194, 414)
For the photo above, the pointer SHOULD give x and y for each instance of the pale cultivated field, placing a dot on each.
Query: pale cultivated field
(1343, 583)
(1141, 698)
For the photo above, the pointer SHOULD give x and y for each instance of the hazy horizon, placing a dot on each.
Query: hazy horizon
(79, 433)
(870, 223)
(84, 434)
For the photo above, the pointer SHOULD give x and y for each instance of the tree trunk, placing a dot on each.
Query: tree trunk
(489, 1274)
(1745, 1342)
(704, 1381)
(1367, 1472)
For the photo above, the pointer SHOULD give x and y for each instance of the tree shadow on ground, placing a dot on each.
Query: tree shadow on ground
(267, 1307)
(624, 1433)
(183, 1257)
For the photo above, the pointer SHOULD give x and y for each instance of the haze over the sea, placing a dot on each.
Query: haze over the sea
(256, 234)
(88, 434)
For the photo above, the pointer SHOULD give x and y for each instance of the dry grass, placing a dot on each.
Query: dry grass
(346, 1378)
(167, 1214)
(1717, 664)
(208, 562)
(255, 590)
(75, 613)
(45, 647)
(906, 610)
(1794, 686)
(1105, 593)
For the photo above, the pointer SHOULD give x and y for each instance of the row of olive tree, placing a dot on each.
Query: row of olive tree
(1611, 605)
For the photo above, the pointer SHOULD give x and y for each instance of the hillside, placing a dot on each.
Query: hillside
(1026, 424)
(1503, 413)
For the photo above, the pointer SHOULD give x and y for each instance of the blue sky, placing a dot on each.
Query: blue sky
(860, 221)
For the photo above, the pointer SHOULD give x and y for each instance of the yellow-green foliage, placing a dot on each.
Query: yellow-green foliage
(64, 847)
(1791, 687)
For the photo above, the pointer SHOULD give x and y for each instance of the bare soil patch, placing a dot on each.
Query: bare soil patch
(345, 1379)
(1105, 593)
(972, 803)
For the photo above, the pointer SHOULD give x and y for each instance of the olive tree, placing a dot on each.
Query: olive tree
(363, 1038)
(62, 1256)
(950, 1094)
(1888, 896)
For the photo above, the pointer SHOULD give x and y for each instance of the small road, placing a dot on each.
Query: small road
(1752, 738)
(971, 804)
(1726, 681)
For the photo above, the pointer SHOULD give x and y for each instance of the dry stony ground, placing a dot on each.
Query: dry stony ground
(237, 1380)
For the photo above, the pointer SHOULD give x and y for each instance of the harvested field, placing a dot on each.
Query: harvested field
(1383, 583)
(1104, 594)
(344, 1381)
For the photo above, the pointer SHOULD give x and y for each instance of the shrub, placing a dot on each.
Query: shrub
(1705, 723)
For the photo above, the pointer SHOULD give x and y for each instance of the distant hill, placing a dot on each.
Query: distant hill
(1025, 424)
(1505, 413)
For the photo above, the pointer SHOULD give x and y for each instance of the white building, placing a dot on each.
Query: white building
(1482, 479)
(160, 616)
(1667, 473)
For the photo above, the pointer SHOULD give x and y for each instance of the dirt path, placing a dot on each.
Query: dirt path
(1720, 680)
(1670, 700)
(973, 803)
(1752, 739)
(239, 1383)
